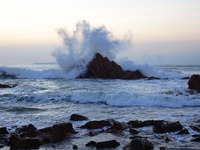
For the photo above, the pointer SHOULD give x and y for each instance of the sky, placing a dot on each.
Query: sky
(164, 31)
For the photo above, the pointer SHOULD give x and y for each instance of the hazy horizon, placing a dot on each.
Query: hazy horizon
(163, 32)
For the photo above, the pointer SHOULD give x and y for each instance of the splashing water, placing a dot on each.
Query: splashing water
(80, 47)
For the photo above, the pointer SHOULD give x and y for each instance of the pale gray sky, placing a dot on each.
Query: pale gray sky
(164, 31)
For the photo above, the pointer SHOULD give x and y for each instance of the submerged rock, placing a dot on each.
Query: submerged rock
(76, 117)
(7, 86)
(102, 67)
(168, 127)
(96, 124)
(3, 130)
(194, 82)
(103, 144)
(107, 144)
(139, 144)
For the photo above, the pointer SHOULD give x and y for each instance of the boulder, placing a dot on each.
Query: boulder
(184, 131)
(194, 82)
(107, 144)
(28, 137)
(102, 67)
(2, 86)
(159, 126)
(116, 127)
(23, 143)
(96, 124)
(3, 130)
(195, 127)
(140, 144)
(168, 127)
(55, 133)
(76, 117)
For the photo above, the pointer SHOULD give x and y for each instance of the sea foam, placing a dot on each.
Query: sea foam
(79, 49)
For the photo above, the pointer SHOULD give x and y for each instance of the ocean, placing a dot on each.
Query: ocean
(44, 95)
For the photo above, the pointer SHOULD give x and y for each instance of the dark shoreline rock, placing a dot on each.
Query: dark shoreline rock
(7, 86)
(77, 117)
(194, 82)
(29, 137)
(102, 67)
(96, 124)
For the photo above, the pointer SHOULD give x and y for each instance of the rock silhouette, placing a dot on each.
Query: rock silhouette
(102, 67)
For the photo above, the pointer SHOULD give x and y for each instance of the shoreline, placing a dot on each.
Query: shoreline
(160, 133)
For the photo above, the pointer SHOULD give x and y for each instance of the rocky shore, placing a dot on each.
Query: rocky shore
(133, 133)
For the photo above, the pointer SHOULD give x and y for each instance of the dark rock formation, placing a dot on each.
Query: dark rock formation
(184, 131)
(133, 131)
(140, 144)
(116, 127)
(102, 67)
(159, 126)
(168, 127)
(196, 138)
(55, 133)
(76, 117)
(96, 124)
(195, 127)
(7, 86)
(194, 82)
(23, 143)
(3, 130)
(91, 143)
(107, 144)
(28, 137)
(104, 144)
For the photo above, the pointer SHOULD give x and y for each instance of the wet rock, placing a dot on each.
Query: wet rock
(55, 133)
(25, 143)
(153, 78)
(184, 131)
(195, 127)
(3, 130)
(185, 78)
(133, 131)
(167, 138)
(140, 124)
(2, 86)
(102, 67)
(91, 143)
(196, 139)
(194, 82)
(116, 127)
(26, 128)
(167, 127)
(75, 147)
(96, 124)
(28, 137)
(107, 144)
(76, 117)
(140, 144)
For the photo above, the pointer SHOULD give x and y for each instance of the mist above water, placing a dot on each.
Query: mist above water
(81, 46)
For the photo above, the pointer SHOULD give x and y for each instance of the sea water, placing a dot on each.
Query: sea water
(43, 97)
(49, 94)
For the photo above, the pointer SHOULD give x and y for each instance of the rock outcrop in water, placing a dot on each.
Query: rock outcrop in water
(7, 86)
(194, 82)
(102, 67)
